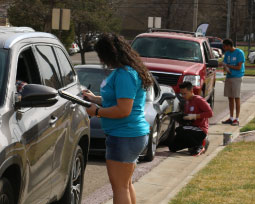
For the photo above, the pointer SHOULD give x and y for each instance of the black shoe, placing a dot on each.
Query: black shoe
(200, 150)
(192, 150)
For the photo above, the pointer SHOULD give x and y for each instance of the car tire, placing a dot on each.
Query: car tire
(73, 192)
(211, 100)
(6, 192)
(152, 144)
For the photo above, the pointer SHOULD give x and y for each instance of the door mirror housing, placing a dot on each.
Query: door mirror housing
(35, 95)
(212, 63)
(166, 96)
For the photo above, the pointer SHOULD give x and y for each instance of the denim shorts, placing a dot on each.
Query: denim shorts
(125, 149)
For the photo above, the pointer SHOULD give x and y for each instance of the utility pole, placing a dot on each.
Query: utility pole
(228, 19)
(250, 30)
(195, 13)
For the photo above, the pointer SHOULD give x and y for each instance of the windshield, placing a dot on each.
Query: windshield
(167, 48)
(3, 62)
(93, 78)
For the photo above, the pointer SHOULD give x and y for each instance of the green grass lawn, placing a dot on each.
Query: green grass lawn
(245, 49)
(249, 127)
(248, 71)
(228, 179)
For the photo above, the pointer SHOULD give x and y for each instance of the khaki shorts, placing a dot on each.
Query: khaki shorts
(232, 88)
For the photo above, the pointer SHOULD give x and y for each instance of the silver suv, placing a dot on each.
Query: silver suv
(44, 139)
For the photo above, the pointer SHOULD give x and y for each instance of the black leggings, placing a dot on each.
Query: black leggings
(187, 138)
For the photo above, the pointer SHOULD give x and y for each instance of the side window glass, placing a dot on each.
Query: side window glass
(27, 69)
(65, 67)
(48, 66)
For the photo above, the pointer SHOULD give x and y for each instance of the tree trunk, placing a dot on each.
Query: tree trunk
(83, 60)
(168, 14)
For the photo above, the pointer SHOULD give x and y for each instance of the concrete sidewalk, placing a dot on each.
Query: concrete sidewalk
(169, 177)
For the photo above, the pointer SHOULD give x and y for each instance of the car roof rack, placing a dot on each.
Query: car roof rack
(195, 34)
(16, 29)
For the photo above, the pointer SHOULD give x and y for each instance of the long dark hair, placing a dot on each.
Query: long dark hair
(115, 52)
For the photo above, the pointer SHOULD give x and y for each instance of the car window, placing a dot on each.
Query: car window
(27, 69)
(65, 67)
(48, 66)
(3, 64)
(167, 48)
(206, 52)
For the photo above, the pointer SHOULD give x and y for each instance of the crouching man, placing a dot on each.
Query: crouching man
(193, 134)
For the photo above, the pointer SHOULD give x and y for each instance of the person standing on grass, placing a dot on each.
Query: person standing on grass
(123, 95)
(233, 64)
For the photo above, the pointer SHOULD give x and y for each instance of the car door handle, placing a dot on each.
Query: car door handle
(53, 120)
(73, 105)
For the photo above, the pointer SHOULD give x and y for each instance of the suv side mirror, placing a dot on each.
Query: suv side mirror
(166, 96)
(212, 63)
(35, 95)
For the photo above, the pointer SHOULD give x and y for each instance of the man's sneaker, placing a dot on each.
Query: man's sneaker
(199, 151)
(228, 121)
(206, 143)
(235, 123)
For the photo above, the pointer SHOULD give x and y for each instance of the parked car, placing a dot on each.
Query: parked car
(216, 42)
(74, 49)
(215, 54)
(219, 52)
(160, 102)
(178, 56)
(44, 139)
(251, 57)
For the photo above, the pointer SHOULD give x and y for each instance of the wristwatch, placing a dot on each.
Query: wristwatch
(96, 113)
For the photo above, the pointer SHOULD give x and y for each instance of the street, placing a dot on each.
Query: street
(96, 183)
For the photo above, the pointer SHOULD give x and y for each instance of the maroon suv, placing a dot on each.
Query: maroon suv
(174, 57)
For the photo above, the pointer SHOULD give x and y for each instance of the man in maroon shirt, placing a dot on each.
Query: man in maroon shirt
(193, 134)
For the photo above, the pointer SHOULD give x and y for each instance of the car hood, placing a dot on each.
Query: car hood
(175, 66)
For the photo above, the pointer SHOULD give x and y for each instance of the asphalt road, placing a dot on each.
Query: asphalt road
(96, 183)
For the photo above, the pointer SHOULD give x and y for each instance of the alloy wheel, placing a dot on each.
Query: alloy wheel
(154, 138)
(76, 181)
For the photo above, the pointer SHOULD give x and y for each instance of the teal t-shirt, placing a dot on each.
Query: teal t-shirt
(234, 58)
(124, 83)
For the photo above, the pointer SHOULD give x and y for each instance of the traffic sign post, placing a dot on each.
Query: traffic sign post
(154, 22)
(61, 19)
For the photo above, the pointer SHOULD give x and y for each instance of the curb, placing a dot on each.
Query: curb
(243, 133)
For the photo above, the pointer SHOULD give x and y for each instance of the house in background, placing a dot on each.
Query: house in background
(179, 15)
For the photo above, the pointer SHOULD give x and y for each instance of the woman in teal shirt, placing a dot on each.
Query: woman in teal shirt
(122, 99)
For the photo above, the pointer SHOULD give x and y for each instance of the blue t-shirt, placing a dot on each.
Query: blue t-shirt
(124, 83)
(234, 58)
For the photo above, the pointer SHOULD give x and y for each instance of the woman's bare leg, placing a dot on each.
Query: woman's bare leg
(120, 175)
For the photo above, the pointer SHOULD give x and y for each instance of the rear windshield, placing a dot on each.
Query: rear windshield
(167, 48)
(92, 78)
(3, 64)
